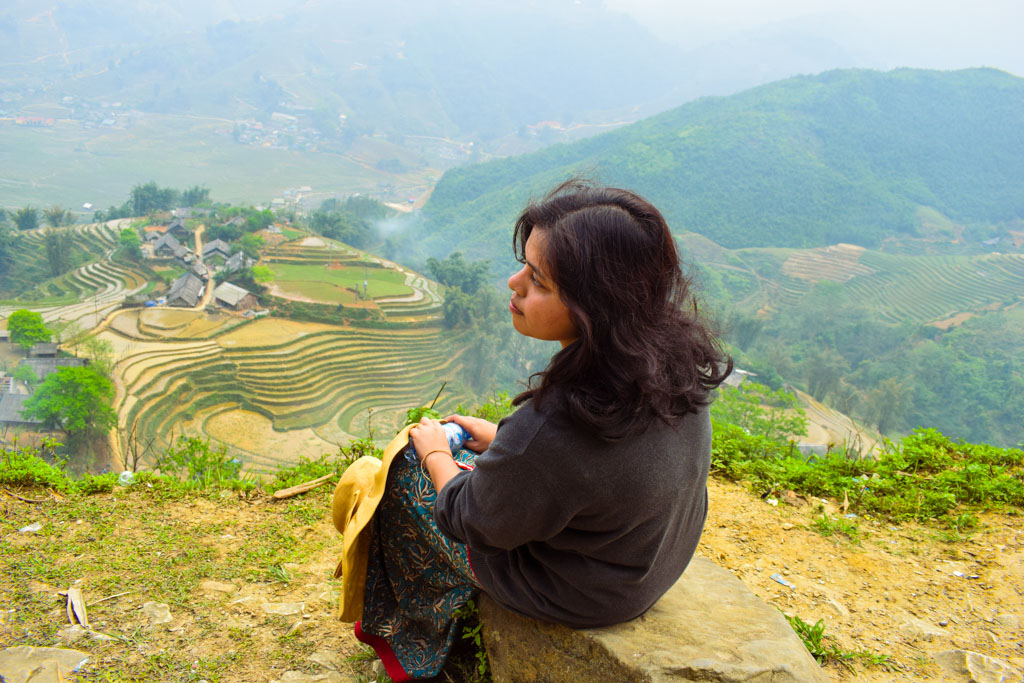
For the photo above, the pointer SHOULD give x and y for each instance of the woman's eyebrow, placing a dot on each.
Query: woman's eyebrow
(535, 269)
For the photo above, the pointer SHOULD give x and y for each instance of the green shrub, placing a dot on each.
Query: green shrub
(28, 467)
(194, 460)
(926, 477)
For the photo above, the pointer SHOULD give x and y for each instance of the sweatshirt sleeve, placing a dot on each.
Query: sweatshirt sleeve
(510, 497)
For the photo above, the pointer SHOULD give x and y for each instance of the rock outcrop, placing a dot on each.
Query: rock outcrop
(708, 627)
(973, 667)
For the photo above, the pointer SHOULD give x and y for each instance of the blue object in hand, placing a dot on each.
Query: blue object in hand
(456, 434)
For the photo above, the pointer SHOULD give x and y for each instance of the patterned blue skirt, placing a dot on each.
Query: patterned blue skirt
(416, 578)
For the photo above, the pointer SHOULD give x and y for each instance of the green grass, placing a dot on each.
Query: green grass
(330, 284)
(814, 639)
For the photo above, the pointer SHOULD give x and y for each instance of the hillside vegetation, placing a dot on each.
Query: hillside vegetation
(845, 156)
(245, 578)
(857, 234)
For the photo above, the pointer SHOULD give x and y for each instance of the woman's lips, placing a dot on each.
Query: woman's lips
(513, 309)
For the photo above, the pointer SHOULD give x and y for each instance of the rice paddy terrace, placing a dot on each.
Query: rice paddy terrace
(273, 389)
(86, 295)
(320, 270)
(270, 389)
(926, 288)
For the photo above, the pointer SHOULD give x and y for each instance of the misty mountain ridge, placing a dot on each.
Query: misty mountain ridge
(479, 70)
(464, 68)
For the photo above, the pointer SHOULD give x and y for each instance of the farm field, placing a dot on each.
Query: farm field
(81, 298)
(325, 284)
(923, 288)
(322, 270)
(100, 165)
(274, 390)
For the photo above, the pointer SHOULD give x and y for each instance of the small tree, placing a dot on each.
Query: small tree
(195, 195)
(101, 353)
(58, 251)
(455, 271)
(24, 373)
(251, 245)
(26, 218)
(56, 216)
(131, 244)
(27, 328)
(75, 400)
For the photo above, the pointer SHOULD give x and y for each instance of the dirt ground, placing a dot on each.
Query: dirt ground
(869, 592)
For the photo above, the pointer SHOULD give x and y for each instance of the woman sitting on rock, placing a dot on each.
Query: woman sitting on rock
(585, 505)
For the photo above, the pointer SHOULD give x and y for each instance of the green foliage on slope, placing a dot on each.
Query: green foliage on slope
(845, 156)
(927, 477)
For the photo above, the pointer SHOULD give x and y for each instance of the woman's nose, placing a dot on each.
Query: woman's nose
(515, 279)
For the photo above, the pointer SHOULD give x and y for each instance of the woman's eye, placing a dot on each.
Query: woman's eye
(535, 280)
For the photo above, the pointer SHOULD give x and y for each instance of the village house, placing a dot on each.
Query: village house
(11, 406)
(169, 246)
(200, 270)
(217, 247)
(43, 350)
(234, 297)
(178, 229)
(238, 261)
(154, 232)
(43, 367)
(186, 291)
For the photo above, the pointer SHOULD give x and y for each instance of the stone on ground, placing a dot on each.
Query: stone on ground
(157, 613)
(708, 627)
(39, 664)
(964, 666)
(919, 629)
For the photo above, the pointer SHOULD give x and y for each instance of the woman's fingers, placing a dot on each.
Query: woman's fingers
(481, 431)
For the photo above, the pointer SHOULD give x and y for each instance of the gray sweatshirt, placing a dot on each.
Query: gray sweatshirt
(565, 527)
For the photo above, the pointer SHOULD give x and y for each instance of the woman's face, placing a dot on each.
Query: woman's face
(537, 310)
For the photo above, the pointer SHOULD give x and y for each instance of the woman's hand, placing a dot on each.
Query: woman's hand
(481, 431)
(431, 444)
(428, 436)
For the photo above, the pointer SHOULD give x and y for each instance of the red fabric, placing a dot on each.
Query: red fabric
(387, 656)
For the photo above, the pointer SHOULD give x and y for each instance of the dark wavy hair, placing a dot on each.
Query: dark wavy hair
(643, 352)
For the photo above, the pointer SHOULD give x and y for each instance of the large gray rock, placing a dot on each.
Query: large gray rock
(708, 627)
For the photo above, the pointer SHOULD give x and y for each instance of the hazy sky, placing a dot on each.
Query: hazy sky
(942, 34)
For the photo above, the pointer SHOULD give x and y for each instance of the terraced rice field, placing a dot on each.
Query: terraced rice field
(324, 271)
(920, 287)
(928, 288)
(838, 263)
(92, 291)
(272, 390)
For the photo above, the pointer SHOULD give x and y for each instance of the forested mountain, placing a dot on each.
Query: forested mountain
(919, 325)
(845, 156)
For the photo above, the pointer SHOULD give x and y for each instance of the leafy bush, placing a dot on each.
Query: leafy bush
(196, 461)
(925, 477)
(28, 467)
(493, 409)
